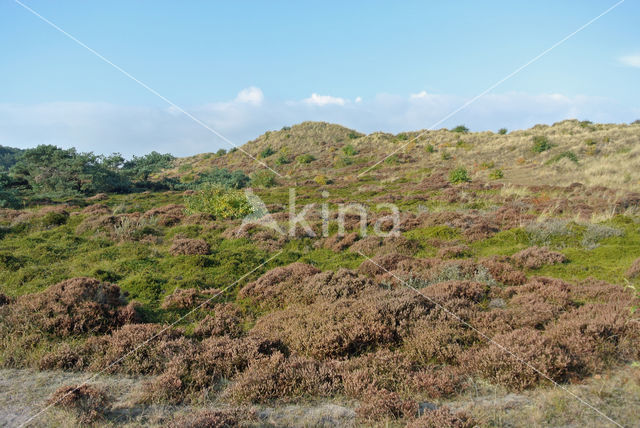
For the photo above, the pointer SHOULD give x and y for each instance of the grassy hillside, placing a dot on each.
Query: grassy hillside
(527, 241)
(584, 152)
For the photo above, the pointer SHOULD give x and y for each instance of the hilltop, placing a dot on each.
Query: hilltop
(591, 154)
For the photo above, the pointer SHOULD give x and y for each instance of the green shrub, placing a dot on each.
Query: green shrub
(568, 154)
(286, 128)
(445, 155)
(502, 131)
(540, 144)
(268, 151)
(461, 129)
(402, 137)
(221, 152)
(282, 160)
(429, 148)
(459, 175)
(496, 174)
(263, 178)
(222, 177)
(304, 159)
(220, 202)
(321, 179)
(353, 135)
(349, 150)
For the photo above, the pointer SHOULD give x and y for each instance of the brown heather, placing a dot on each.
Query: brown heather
(189, 247)
(88, 403)
(74, 306)
(536, 257)
(443, 418)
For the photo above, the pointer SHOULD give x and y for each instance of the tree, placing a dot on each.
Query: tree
(141, 167)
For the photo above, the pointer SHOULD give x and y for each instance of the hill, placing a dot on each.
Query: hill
(455, 283)
(591, 154)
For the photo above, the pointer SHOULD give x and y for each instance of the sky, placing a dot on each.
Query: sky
(241, 68)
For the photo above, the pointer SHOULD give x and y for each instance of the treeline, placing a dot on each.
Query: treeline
(48, 172)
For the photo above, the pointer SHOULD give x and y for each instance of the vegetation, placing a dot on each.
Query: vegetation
(496, 174)
(306, 158)
(266, 152)
(459, 175)
(263, 178)
(461, 129)
(349, 150)
(541, 144)
(549, 267)
(220, 202)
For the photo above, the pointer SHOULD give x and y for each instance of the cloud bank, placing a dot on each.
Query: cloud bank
(106, 128)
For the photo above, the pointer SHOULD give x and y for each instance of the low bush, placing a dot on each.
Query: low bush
(461, 129)
(496, 174)
(502, 131)
(459, 175)
(88, 403)
(266, 152)
(349, 150)
(381, 404)
(540, 144)
(282, 160)
(305, 159)
(564, 155)
(186, 246)
(536, 257)
(74, 306)
(220, 202)
(221, 177)
(263, 178)
(279, 377)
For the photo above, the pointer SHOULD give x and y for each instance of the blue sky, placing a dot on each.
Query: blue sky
(246, 67)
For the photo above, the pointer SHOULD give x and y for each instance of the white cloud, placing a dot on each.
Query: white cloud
(419, 95)
(358, 99)
(250, 95)
(630, 60)
(106, 128)
(324, 100)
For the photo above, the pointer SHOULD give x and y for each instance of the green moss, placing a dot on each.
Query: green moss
(438, 232)
(503, 243)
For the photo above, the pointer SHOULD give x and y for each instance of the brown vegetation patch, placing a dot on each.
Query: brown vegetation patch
(443, 418)
(339, 242)
(217, 418)
(280, 377)
(168, 215)
(74, 306)
(270, 287)
(375, 245)
(382, 404)
(88, 403)
(188, 246)
(536, 257)
(96, 210)
(226, 321)
(634, 269)
(454, 251)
